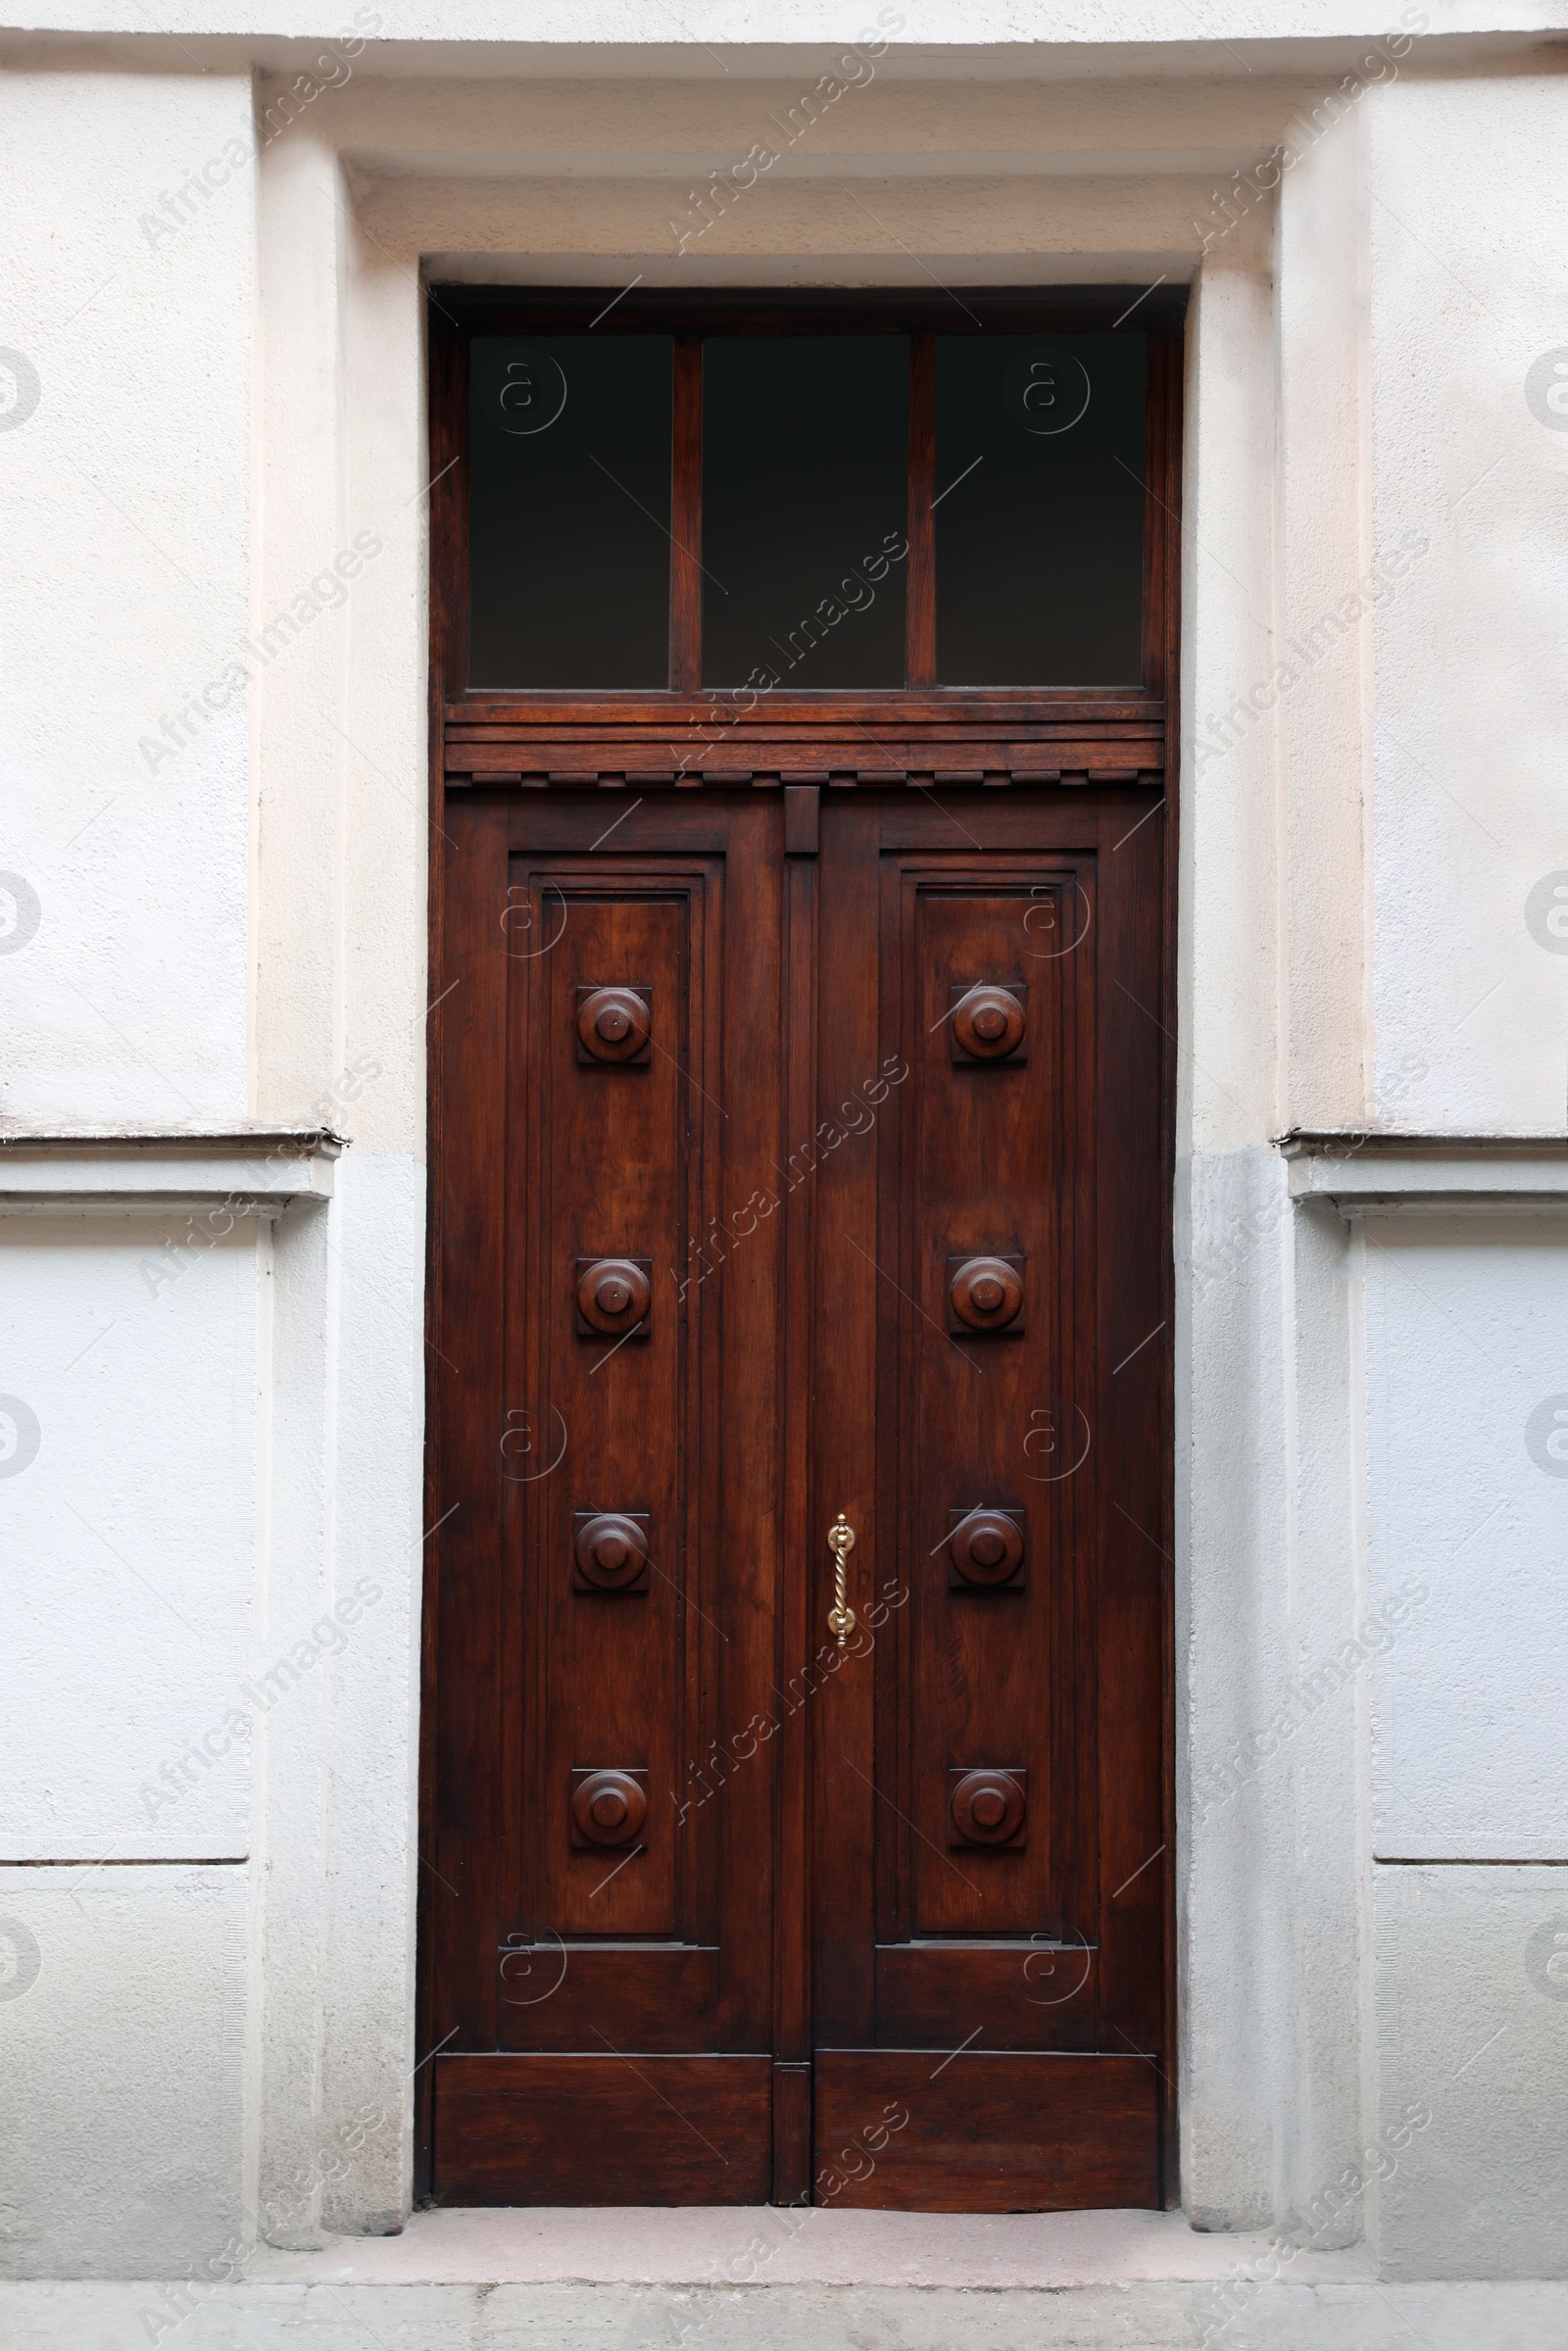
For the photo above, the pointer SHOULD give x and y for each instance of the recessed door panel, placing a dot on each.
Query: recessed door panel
(620, 1178)
(982, 1193)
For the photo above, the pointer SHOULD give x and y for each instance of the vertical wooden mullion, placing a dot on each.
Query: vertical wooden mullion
(686, 520)
(921, 590)
(448, 477)
(1156, 384)
(793, 1895)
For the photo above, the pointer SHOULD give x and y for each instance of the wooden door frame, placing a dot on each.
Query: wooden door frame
(1072, 738)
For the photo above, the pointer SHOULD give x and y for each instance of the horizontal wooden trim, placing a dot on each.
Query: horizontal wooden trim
(780, 710)
(459, 776)
(757, 751)
(600, 747)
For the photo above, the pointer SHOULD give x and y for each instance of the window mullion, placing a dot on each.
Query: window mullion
(686, 519)
(920, 625)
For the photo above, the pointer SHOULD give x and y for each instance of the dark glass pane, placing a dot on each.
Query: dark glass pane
(1039, 509)
(568, 511)
(804, 498)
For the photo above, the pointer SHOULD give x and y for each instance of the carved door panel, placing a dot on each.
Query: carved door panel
(988, 1825)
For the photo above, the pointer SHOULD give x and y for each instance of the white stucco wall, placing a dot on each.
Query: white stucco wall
(1464, 1327)
(128, 494)
(1472, 668)
(229, 1427)
(232, 927)
(128, 1540)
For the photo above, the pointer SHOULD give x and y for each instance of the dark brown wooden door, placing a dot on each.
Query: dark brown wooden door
(611, 1448)
(987, 1378)
(800, 1154)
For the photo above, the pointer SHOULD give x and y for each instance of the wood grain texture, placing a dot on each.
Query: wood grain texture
(792, 1862)
(908, 2132)
(803, 805)
(615, 2128)
(738, 742)
(557, 1994)
(792, 2134)
(1016, 1995)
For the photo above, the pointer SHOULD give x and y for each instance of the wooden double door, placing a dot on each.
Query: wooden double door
(801, 1175)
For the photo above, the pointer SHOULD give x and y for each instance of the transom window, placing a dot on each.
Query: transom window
(857, 511)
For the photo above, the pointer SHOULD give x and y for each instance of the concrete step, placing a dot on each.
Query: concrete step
(1188, 2315)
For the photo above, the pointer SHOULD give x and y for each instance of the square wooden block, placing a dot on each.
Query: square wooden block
(582, 1267)
(962, 1270)
(982, 1574)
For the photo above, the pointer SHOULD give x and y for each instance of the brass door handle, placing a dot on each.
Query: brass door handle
(840, 1542)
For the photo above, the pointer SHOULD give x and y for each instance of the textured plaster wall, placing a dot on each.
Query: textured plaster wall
(1469, 1709)
(1358, 941)
(128, 1539)
(218, 917)
(1465, 1511)
(123, 2072)
(1464, 1320)
(1472, 663)
(127, 498)
(1471, 2029)
(127, 1652)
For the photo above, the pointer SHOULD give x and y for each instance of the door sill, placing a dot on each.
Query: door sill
(734, 2246)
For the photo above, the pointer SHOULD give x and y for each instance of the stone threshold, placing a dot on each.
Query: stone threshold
(762, 2245)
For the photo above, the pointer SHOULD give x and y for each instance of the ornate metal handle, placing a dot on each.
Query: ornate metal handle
(840, 1542)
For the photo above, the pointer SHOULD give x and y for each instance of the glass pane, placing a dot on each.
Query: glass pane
(1039, 509)
(568, 511)
(804, 497)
